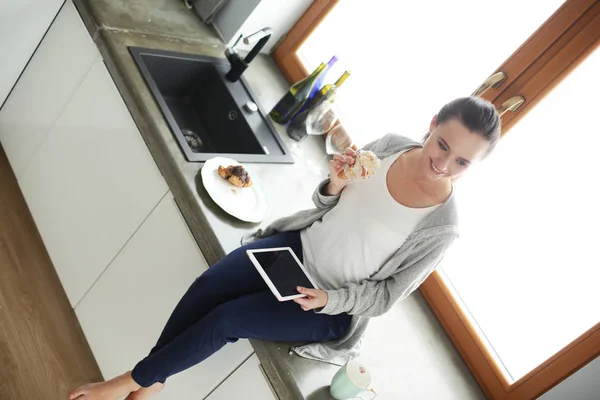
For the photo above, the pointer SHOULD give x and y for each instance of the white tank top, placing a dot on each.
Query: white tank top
(356, 238)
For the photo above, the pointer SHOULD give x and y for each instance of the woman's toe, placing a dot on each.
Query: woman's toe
(76, 393)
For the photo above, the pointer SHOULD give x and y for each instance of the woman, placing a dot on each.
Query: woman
(389, 233)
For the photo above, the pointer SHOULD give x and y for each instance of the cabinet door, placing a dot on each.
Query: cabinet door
(91, 184)
(61, 61)
(248, 382)
(22, 26)
(125, 311)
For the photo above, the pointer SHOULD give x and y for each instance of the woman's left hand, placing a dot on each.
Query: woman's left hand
(315, 298)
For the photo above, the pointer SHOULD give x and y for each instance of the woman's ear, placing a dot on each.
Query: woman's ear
(433, 123)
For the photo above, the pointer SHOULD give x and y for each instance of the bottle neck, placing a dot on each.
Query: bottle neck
(307, 82)
(342, 79)
(317, 71)
(332, 61)
(327, 88)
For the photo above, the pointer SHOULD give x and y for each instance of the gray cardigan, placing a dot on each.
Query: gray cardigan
(398, 277)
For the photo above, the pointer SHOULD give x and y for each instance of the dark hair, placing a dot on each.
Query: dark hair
(476, 114)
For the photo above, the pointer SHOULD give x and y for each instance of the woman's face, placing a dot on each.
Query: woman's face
(451, 149)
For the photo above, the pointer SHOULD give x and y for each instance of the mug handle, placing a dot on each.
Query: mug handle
(371, 391)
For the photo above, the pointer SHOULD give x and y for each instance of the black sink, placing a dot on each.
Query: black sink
(206, 113)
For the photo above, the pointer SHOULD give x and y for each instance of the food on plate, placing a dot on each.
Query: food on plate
(365, 166)
(236, 175)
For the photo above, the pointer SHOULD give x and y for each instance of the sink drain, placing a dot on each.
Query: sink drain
(193, 140)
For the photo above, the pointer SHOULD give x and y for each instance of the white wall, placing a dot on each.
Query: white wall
(582, 385)
(232, 16)
(23, 23)
(279, 15)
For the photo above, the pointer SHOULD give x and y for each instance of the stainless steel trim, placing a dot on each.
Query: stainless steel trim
(256, 36)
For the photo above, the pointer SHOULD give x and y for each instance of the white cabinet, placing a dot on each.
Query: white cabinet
(247, 383)
(91, 184)
(59, 65)
(124, 313)
(22, 25)
(117, 240)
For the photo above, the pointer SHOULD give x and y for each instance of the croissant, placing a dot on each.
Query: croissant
(236, 175)
(365, 166)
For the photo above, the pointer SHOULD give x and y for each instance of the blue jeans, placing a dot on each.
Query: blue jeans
(227, 302)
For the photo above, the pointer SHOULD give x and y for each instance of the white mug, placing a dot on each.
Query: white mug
(352, 382)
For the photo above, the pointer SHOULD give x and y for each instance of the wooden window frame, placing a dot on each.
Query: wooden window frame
(533, 70)
(285, 54)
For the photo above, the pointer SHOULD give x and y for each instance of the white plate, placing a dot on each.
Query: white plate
(248, 204)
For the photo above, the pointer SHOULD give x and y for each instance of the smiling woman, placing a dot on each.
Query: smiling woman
(367, 244)
(465, 115)
(435, 56)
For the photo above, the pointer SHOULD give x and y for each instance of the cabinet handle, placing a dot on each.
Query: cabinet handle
(511, 104)
(492, 82)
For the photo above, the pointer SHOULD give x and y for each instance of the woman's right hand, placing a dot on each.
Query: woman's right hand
(339, 162)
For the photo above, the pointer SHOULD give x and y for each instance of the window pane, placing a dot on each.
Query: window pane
(410, 58)
(526, 265)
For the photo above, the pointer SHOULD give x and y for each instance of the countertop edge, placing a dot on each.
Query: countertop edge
(272, 370)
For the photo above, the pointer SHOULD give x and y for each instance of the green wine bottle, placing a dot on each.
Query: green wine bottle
(296, 96)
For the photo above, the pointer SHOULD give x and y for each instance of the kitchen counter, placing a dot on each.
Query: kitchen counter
(168, 25)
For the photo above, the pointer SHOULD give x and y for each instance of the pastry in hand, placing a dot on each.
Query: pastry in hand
(236, 175)
(365, 166)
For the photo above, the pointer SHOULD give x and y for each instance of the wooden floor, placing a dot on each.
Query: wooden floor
(43, 352)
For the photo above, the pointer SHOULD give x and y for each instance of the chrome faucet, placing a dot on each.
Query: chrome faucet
(239, 65)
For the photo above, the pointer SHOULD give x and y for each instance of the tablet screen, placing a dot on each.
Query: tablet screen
(283, 270)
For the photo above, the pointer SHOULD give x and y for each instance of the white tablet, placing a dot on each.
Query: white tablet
(282, 271)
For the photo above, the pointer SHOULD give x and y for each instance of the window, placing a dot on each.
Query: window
(536, 45)
(388, 44)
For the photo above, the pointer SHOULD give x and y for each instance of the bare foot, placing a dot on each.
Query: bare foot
(145, 393)
(114, 389)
